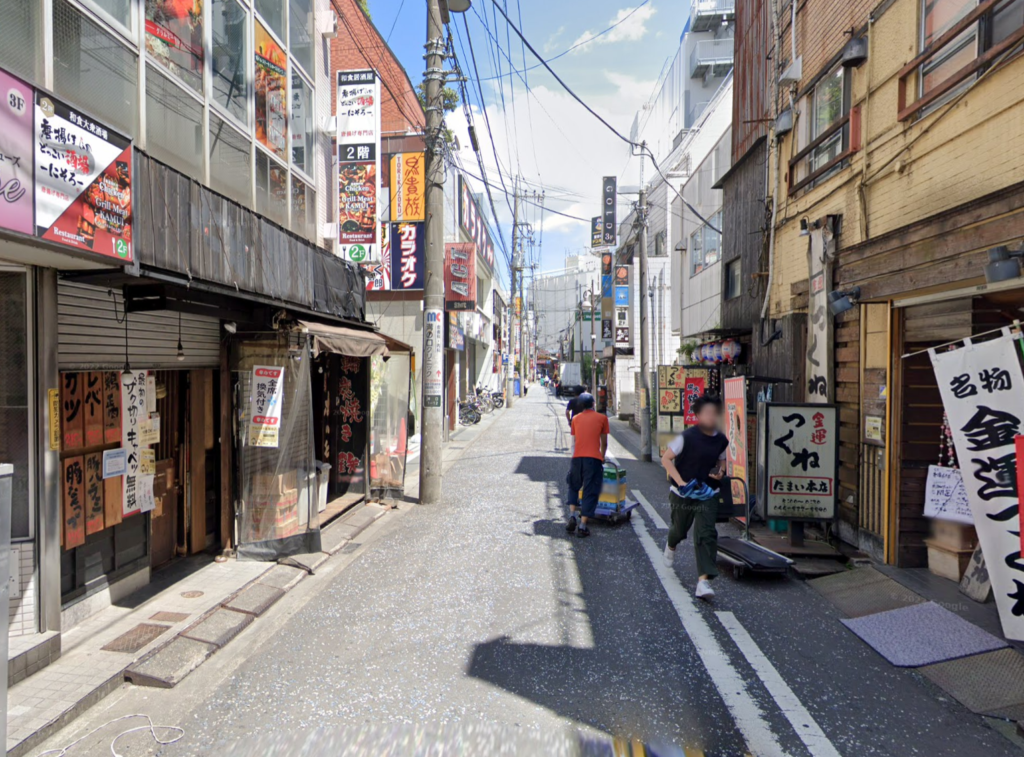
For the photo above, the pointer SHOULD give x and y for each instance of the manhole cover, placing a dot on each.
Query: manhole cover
(194, 594)
(136, 638)
(169, 617)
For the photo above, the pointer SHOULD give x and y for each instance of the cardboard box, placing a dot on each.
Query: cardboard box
(267, 485)
(957, 536)
(947, 563)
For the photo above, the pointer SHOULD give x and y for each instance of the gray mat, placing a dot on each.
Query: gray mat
(921, 634)
(990, 683)
(865, 591)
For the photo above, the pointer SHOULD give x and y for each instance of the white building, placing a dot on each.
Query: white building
(556, 297)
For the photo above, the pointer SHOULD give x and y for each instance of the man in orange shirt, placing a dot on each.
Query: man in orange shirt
(590, 437)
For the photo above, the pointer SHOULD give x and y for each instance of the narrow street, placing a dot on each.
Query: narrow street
(481, 616)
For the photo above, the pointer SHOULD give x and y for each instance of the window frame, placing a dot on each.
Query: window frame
(305, 175)
(249, 63)
(736, 264)
(839, 139)
(696, 242)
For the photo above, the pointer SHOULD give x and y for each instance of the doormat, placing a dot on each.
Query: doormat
(989, 684)
(136, 638)
(922, 634)
(864, 591)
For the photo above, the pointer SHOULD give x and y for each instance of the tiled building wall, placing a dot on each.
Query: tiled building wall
(22, 612)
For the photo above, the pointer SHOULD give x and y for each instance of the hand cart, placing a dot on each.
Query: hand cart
(743, 554)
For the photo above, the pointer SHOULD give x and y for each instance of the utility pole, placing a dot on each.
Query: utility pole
(510, 390)
(431, 427)
(593, 344)
(645, 375)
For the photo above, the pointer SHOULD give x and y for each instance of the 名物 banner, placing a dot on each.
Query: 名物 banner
(982, 390)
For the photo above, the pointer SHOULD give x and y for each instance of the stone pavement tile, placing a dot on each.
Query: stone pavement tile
(168, 666)
(283, 577)
(219, 627)
(332, 540)
(255, 599)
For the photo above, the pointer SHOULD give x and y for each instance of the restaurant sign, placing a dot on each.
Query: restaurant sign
(472, 221)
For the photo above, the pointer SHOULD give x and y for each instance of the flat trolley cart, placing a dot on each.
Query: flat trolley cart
(743, 554)
(613, 505)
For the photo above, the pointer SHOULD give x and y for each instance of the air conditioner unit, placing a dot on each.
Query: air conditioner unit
(332, 30)
(793, 73)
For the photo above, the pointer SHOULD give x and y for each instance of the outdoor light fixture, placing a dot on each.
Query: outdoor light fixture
(181, 350)
(231, 327)
(458, 6)
(1003, 264)
(803, 227)
(840, 302)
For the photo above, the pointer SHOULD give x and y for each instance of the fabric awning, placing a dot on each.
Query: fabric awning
(346, 341)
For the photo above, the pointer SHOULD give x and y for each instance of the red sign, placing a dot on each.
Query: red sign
(693, 391)
(460, 276)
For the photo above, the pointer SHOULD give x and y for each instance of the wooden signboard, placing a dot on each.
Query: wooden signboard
(92, 407)
(73, 500)
(94, 520)
(111, 408)
(72, 417)
(112, 514)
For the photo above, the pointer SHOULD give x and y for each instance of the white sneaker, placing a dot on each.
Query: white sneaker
(669, 556)
(704, 590)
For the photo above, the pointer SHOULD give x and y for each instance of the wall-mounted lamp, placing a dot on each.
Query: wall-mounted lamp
(804, 231)
(1004, 264)
(840, 302)
(231, 327)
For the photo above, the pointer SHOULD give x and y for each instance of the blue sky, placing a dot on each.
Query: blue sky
(543, 135)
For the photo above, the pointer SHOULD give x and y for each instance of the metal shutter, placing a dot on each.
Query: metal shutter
(90, 336)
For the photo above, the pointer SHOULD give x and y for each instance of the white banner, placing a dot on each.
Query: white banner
(133, 413)
(983, 393)
(357, 107)
(433, 357)
(265, 405)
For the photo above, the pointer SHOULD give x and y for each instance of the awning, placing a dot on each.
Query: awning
(345, 341)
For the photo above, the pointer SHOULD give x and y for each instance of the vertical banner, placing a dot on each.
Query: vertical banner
(609, 195)
(597, 231)
(16, 179)
(982, 390)
(735, 391)
(408, 187)
(471, 219)
(94, 520)
(378, 278)
(83, 182)
(352, 424)
(265, 405)
(460, 276)
(92, 405)
(111, 408)
(358, 139)
(433, 357)
(408, 252)
(72, 418)
(801, 461)
(73, 501)
(133, 408)
(819, 363)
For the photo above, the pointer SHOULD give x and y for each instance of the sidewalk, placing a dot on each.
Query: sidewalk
(161, 633)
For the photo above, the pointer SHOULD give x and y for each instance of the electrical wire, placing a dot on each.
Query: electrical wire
(113, 750)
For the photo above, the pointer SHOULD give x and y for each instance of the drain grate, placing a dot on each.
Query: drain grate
(169, 617)
(991, 683)
(136, 638)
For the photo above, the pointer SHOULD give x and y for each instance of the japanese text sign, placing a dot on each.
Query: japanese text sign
(982, 390)
(408, 184)
(133, 414)
(736, 433)
(472, 221)
(460, 276)
(83, 187)
(16, 179)
(358, 139)
(596, 231)
(801, 465)
(265, 406)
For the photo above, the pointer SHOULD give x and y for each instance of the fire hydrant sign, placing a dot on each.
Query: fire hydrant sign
(801, 461)
(266, 405)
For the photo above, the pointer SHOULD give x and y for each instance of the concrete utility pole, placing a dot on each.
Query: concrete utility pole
(645, 374)
(432, 424)
(510, 390)
(593, 344)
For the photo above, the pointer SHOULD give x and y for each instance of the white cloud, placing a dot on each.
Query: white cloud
(631, 29)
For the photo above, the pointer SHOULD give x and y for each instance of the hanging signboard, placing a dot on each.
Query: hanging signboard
(408, 184)
(609, 202)
(433, 357)
(820, 357)
(735, 393)
(92, 407)
(945, 496)
(111, 407)
(358, 139)
(472, 221)
(94, 493)
(72, 419)
(408, 243)
(801, 461)
(596, 232)
(83, 186)
(460, 276)
(16, 179)
(265, 405)
(982, 390)
(133, 407)
(73, 501)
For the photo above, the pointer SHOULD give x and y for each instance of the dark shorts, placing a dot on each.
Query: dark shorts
(586, 473)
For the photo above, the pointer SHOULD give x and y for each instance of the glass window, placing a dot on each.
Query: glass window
(92, 68)
(713, 241)
(697, 251)
(303, 122)
(174, 37)
(303, 210)
(272, 12)
(271, 94)
(20, 51)
(230, 162)
(14, 395)
(300, 33)
(732, 279)
(1006, 20)
(271, 189)
(938, 17)
(828, 106)
(230, 57)
(174, 124)
(119, 10)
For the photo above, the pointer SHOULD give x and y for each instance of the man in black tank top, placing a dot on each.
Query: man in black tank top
(695, 462)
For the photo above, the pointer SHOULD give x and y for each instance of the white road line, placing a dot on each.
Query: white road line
(806, 728)
(659, 522)
(745, 711)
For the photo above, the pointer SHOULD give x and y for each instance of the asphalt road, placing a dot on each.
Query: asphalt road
(480, 621)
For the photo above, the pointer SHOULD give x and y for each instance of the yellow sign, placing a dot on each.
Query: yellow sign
(147, 462)
(873, 428)
(53, 400)
(408, 182)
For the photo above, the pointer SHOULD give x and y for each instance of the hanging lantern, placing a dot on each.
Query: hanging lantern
(731, 350)
(716, 352)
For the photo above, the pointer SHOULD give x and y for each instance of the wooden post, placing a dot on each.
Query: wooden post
(227, 441)
(197, 461)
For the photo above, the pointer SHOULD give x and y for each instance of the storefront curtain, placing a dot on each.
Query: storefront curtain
(389, 411)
